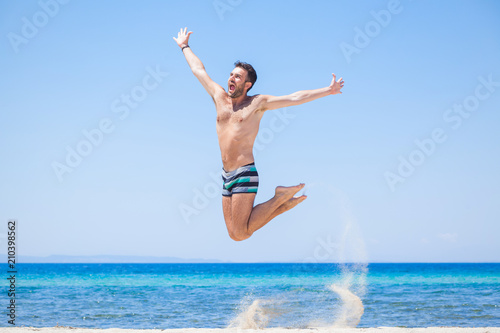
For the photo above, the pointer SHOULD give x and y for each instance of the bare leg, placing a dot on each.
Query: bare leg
(287, 206)
(242, 219)
(282, 201)
(237, 209)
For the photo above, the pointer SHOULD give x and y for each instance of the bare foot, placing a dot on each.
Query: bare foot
(288, 191)
(290, 204)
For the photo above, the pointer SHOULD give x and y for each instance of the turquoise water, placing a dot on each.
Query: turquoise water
(165, 296)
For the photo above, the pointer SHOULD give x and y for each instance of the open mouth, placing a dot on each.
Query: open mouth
(232, 87)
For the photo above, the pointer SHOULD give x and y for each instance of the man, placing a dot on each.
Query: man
(238, 118)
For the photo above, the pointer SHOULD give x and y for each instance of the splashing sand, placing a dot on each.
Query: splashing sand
(353, 276)
(350, 290)
(352, 307)
(256, 315)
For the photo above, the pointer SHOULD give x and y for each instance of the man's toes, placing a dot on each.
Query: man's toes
(302, 198)
(299, 187)
(296, 200)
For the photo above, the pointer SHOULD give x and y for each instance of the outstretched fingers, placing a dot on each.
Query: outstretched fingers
(183, 36)
(340, 81)
(185, 33)
(335, 79)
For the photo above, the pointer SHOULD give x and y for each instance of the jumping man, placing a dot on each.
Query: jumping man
(238, 118)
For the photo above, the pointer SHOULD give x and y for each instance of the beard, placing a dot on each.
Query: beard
(238, 91)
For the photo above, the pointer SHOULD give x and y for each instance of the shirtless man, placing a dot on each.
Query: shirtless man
(238, 118)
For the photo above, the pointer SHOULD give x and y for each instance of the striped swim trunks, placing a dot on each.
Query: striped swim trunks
(245, 179)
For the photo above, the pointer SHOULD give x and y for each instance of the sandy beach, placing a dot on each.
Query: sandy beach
(266, 330)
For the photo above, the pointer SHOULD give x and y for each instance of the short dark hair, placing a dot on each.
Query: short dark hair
(251, 76)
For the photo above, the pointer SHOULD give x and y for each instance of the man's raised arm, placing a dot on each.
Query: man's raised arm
(300, 97)
(195, 63)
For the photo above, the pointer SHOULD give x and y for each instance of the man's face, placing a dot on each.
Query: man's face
(236, 82)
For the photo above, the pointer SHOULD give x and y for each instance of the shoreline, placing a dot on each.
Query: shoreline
(69, 329)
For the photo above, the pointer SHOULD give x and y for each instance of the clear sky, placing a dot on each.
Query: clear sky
(108, 142)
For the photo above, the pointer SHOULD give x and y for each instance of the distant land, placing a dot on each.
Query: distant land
(101, 259)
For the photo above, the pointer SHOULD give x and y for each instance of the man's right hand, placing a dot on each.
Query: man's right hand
(182, 38)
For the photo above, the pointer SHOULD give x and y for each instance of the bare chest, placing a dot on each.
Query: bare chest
(227, 116)
(230, 117)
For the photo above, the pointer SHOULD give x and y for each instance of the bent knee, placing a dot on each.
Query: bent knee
(239, 235)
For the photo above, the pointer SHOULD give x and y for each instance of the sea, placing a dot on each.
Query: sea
(253, 295)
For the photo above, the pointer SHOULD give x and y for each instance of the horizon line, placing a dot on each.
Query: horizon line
(59, 259)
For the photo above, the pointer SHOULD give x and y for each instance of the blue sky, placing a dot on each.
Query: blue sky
(402, 167)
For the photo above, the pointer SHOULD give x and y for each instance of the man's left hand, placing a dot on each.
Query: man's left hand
(336, 85)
